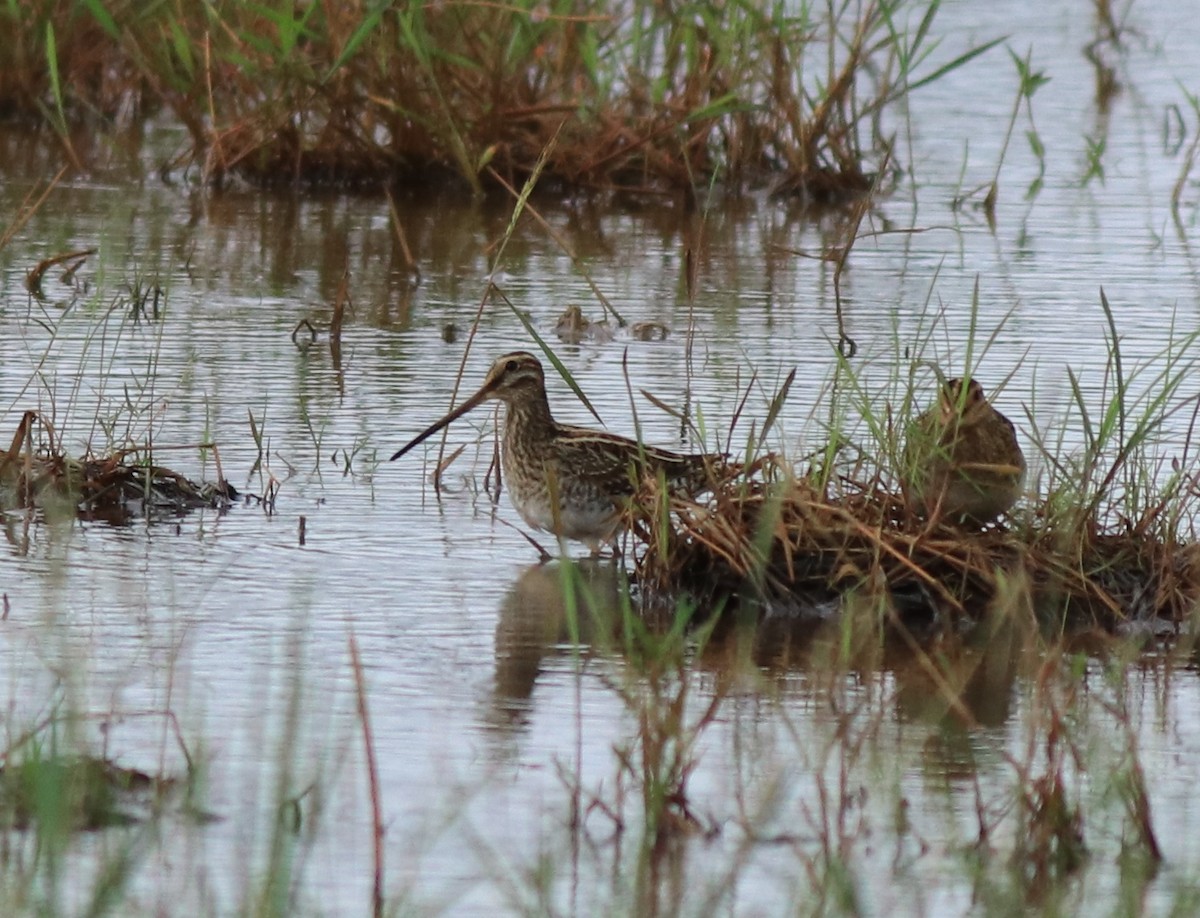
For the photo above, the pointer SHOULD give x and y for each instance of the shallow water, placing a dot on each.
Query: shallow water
(483, 711)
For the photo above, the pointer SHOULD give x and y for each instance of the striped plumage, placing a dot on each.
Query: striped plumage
(571, 481)
(962, 458)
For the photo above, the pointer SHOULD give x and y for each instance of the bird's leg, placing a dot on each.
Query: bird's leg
(543, 555)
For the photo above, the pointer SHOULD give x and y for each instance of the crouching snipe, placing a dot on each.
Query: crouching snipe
(962, 459)
(570, 481)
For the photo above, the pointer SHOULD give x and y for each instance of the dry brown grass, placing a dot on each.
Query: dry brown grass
(36, 473)
(782, 539)
(645, 98)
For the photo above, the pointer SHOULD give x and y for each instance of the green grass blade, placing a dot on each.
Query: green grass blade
(354, 42)
(55, 84)
(553, 358)
(965, 58)
(103, 18)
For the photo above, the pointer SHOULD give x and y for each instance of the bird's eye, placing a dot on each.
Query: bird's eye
(511, 366)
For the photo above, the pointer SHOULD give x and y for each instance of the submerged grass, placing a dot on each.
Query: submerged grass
(644, 97)
(54, 790)
(53, 787)
(1032, 745)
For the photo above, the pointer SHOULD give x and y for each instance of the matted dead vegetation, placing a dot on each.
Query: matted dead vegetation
(1104, 535)
(116, 488)
(785, 541)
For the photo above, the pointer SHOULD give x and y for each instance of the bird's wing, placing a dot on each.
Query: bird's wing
(616, 462)
(604, 459)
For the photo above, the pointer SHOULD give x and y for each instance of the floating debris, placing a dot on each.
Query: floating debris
(80, 793)
(648, 331)
(573, 328)
(117, 488)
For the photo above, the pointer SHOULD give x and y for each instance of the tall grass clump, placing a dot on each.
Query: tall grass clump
(99, 455)
(640, 97)
(1104, 532)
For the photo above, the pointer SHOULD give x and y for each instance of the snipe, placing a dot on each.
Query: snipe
(962, 459)
(570, 481)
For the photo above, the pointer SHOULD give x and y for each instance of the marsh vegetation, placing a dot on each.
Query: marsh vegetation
(640, 98)
(248, 250)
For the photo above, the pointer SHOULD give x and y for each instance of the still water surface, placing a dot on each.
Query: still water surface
(482, 715)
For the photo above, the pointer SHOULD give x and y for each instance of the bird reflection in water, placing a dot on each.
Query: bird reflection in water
(537, 621)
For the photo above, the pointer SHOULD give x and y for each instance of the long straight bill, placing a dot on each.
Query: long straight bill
(473, 402)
